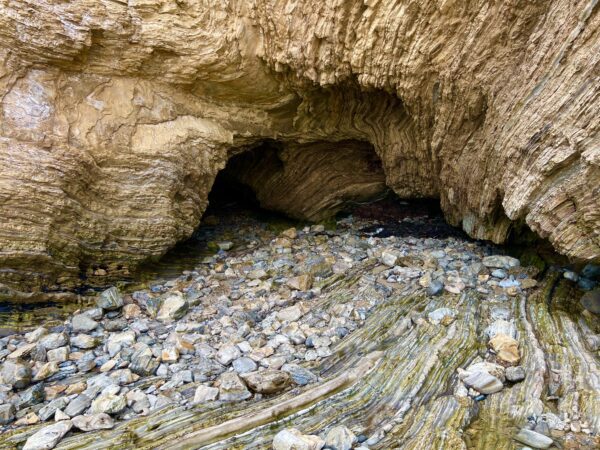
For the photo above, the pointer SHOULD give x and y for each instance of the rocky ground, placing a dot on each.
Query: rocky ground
(360, 334)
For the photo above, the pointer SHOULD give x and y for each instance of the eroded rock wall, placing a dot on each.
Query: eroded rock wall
(116, 116)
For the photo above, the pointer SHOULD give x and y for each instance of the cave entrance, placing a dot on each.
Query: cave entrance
(304, 181)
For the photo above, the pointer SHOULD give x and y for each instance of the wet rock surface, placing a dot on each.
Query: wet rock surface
(341, 321)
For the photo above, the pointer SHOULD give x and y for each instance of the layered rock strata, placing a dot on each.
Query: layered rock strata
(115, 117)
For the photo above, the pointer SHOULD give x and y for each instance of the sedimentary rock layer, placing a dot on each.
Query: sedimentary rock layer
(115, 117)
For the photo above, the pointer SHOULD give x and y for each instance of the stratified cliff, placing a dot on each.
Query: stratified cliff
(115, 116)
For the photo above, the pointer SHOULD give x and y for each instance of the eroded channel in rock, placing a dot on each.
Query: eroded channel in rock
(382, 329)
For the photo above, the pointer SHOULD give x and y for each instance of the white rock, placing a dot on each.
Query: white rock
(205, 394)
(388, 258)
(292, 439)
(340, 438)
(93, 422)
(227, 354)
(48, 437)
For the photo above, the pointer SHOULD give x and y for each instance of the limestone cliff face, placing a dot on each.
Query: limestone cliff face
(115, 116)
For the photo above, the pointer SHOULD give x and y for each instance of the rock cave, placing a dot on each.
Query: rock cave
(291, 224)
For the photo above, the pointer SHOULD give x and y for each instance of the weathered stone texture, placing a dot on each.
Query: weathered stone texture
(115, 117)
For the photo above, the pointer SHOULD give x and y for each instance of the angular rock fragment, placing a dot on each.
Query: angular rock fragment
(205, 394)
(16, 373)
(506, 348)
(267, 381)
(174, 307)
(48, 437)
(232, 388)
(110, 299)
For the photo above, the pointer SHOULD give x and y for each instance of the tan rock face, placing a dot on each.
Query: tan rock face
(115, 117)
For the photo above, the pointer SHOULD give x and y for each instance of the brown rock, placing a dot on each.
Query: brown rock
(506, 348)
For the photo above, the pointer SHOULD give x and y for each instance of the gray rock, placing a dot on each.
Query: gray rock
(340, 438)
(299, 374)
(32, 396)
(206, 369)
(501, 326)
(500, 262)
(293, 439)
(36, 334)
(515, 374)
(50, 409)
(499, 273)
(174, 307)
(483, 382)
(93, 422)
(570, 275)
(267, 381)
(78, 405)
(115, 325)
(59, 354)
(7, 414)
(98, 383)
(83, 323)
(143, 361)
(533, 439)
(54, 340)
(232, 388)
(435, 288)
(244, 365)
(16, 373)
(591, 301)
(542, 427)
(110, 300)
(389, 258)
(48, 437)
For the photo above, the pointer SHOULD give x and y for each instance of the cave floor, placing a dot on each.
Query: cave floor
(382, 322)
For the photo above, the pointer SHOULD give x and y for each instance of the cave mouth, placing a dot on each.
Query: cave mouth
(310, 182)
(302, 183)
